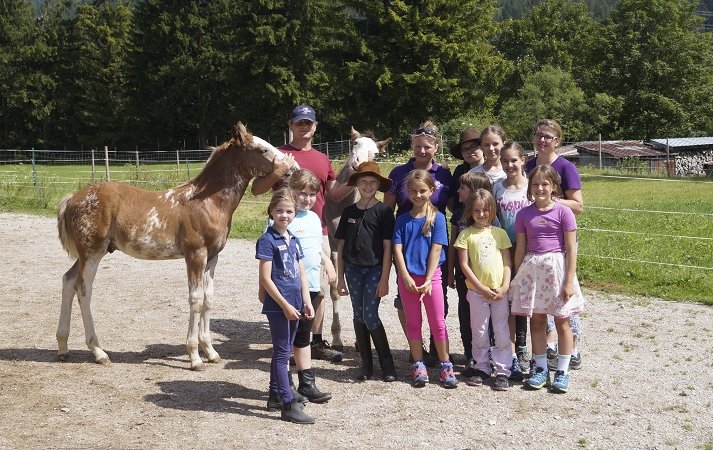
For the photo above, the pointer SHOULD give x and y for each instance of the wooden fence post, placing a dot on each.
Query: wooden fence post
(106, 163)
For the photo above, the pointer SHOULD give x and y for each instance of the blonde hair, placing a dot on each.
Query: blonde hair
(475, 180)
(550, 175)
(488, 200)
(429, 125)
(303, 178)
(494, 129)
(551, 124)
(422, 176)
(281, 195)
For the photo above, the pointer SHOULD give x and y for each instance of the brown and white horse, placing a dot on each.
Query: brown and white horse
(363, 149)
(190, 221)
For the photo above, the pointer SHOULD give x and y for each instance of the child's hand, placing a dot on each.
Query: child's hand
(499, 293)
(382, 289)
(567, 291)
(410, 284)
(331, 273)
(425, 289)
(342, 288)
(291, 313)
(308, 311)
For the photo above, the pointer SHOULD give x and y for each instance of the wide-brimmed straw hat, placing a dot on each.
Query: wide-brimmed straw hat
(469, 135)
(372, 169)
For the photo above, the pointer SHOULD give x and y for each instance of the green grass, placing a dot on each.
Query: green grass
(609, 261)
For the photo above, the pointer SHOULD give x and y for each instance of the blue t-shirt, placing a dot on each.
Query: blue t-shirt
(408, 232)
(272, 246)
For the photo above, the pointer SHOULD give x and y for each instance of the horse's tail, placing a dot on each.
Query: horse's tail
(65, 234)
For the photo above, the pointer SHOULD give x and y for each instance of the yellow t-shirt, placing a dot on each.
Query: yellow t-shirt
(484, 258)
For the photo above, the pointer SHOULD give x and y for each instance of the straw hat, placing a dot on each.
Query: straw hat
(372, 169)
(469, 135)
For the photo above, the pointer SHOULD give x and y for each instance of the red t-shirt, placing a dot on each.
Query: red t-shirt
(319, 164)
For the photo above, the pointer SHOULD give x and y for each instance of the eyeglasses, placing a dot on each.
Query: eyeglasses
(470, 149)
(427, 131)
(546, 137)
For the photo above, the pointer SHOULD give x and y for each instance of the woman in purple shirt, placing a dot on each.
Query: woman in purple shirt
(424, 144)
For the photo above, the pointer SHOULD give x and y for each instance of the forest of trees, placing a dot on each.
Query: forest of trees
(150, 74)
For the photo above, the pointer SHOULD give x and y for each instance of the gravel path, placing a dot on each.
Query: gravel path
(645, 381)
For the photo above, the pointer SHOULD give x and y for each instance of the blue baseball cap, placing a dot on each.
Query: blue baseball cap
(303, 112)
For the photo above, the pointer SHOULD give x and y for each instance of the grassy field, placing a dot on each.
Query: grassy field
(643, 236)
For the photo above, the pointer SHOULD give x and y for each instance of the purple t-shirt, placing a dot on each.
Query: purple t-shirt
(545, 229)
(440, 175)
(567, 171)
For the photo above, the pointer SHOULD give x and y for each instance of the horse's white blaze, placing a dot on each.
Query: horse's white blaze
(262, 143)
(363, 150)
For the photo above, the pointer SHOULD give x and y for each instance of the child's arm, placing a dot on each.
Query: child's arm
(452, 256)
(570, 261)
(501, 292)
(266, 282)
(434, 255)
(341, 282)
(329, 267)
(401, 268)
(306, 299)
(382, 289)
(520, 249)
(470, 275)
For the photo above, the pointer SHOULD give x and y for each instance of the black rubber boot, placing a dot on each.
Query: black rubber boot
(364, 343)
(308, 388)
(274, 403)
(300, 398)
(386, 359)
(294, 412)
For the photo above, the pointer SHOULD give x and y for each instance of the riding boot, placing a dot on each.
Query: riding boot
(294, 412)
(308, 388)
(364, 343)
(386, 359)
(300, 398)
(274, 402)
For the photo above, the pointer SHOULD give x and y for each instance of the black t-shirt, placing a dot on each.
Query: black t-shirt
(364, 232)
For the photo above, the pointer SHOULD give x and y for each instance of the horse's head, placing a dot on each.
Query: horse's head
(264, 155)
(364, 148)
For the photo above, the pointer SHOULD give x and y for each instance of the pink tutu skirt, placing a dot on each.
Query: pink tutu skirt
(537, 287)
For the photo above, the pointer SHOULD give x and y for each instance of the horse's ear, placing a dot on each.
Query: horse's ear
(239, 132)
(355, 134)
(382, 145)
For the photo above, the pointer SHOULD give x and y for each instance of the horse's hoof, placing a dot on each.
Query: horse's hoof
(62, 357)
(198, 367)
(104, 361)
(216, 360)
(338, 347)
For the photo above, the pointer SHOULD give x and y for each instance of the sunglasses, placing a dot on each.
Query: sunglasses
(427, 131)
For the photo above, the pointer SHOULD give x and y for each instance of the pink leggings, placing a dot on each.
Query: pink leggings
(434, 304)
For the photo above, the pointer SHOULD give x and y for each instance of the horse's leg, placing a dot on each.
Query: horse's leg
(195, 267)
(65, 314)
(337, 343)
(204, 338)
(84, 296)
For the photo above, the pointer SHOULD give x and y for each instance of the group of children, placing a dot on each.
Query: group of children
(514, 246)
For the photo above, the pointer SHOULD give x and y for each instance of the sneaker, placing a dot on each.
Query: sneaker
(523, 358)
(420, 375)
(538, 379)
(469, 369)
(322, 350)
(560, 382)
(501, 383)
(477, 379)
(448, 378)
(516, 371)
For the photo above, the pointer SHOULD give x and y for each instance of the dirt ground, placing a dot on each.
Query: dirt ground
(645, 381)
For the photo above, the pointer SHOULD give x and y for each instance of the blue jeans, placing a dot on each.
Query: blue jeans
(283, 333)
(362, 282)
